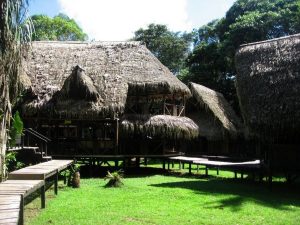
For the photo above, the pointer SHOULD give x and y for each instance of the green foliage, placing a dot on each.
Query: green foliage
(114, 179)
(212, 61)
(171, 48)
(70, 173)
(16, 129)
(11, 162)
(59, 28)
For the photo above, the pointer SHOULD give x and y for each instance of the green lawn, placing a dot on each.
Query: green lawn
(169, 199)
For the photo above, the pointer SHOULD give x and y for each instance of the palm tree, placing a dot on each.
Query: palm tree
(15, 31)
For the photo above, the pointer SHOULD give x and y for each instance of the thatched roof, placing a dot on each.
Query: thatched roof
(268, 86)
(159, 126)
(215, 117)
(114, 70)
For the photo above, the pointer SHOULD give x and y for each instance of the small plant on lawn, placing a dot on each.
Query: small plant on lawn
(73, 176)
(114, 179)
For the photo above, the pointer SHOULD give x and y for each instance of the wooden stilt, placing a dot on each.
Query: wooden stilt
(56, 183)
(43, 197)
(21, 218)
(190, 168)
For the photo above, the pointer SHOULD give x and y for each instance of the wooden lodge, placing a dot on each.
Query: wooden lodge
(268, 87)
(104, 99)
(220, 129)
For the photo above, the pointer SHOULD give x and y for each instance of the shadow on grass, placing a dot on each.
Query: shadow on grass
(239, 192)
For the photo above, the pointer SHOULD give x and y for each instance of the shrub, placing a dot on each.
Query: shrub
(115, 179)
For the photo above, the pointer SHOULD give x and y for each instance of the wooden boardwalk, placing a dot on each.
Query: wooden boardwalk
(21, 183)
(40, 171)
(246, 165)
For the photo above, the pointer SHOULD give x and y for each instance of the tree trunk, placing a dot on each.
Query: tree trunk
(5, 118)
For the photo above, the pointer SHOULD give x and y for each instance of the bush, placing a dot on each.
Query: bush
(115, 179)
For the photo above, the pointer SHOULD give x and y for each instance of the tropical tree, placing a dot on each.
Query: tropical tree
(58, 28)
(212, 61)
(171, 48)
(15, 30)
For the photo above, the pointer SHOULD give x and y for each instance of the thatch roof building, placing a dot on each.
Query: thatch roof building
(268, 86)
(112, 71)
(214, 115)
(84, 93)
(219, 127)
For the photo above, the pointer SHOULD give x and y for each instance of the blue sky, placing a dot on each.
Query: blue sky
(112, 20)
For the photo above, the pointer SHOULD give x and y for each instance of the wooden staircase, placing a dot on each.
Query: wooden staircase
(33, 147)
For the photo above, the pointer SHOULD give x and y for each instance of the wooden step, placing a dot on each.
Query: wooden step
(31, 148)
(46, 158)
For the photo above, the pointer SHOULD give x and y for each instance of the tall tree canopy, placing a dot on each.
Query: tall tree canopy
(15, 30)
(169, 47)
(59, 28)
(212, 61)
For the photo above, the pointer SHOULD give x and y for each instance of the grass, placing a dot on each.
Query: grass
(169, 199)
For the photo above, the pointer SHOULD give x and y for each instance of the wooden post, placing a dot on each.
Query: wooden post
(184, 103)
(197, 168)
(235, 175)
(43, 197)
(242, 175)
(21, 218)
(164, 164)
(137, 162)
(270, 179)
(190, 168)
(179, 165)
(56, 183)
(145, 161)
(217, 170)
(116, 164)
(117, 137)
(206, 171)
(168, 164)
(164, 110)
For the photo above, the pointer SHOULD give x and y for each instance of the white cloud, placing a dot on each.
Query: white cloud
(116, 20)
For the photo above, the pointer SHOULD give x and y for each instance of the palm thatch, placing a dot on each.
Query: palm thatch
(159, 126)
(79, 86)
(214, 116)
(268, 86)
(113, 71)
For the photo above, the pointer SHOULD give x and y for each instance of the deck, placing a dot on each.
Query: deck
(244, 165)
(21, 183)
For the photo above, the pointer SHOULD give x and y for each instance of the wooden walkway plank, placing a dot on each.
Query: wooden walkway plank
(10, 208)
(21, 183)
(40, 171)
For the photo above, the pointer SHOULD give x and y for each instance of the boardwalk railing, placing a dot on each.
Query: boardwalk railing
(43, 140)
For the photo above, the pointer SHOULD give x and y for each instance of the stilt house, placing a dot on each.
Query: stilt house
(104, 99)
